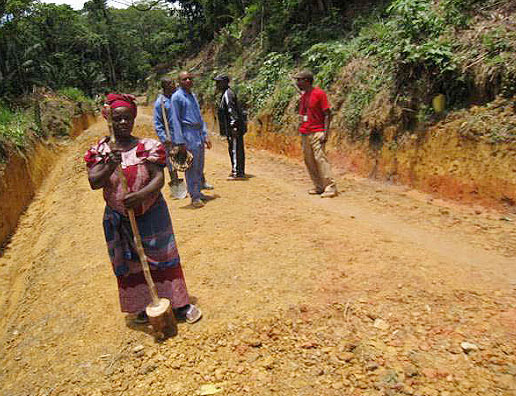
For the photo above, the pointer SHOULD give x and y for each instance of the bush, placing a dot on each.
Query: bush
(13, 129)
(258, 91)
(303, 36)
(6, 115)
(413, 39)
(412, 36)
(74, 94)
(326, 59)
(363, 90)
(281, 98)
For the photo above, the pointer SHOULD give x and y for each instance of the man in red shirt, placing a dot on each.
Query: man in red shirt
(314, 126)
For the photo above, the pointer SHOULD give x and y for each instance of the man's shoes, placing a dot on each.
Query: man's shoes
(329, 194)
(236, 177)
(197, 203)
(206, 198)
(189, 313)
(315, 191)
(207, 186)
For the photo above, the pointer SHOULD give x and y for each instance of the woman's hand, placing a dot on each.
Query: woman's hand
(157, 179)
(133, 199)
(99, 174)
(115, 157)
(207, 142)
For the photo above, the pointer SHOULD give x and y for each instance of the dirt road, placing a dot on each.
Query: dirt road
(380, 291)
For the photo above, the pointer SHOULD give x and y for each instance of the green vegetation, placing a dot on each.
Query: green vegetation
(365, 53)
(93, 50)
(78, 54)
(366, 86)
(13, 129)
(408, 51)
(326, 59)
(74, 94)
(262, 88)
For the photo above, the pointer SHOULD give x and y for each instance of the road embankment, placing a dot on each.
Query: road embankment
(24, 172)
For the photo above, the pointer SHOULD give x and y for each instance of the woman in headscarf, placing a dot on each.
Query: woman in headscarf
(142, 162)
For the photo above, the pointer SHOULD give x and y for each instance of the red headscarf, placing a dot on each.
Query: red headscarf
(120, 100)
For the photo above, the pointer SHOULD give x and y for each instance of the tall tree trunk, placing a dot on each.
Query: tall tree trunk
(111, 67)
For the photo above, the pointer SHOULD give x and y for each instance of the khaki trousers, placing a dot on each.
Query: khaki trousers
(317, 162)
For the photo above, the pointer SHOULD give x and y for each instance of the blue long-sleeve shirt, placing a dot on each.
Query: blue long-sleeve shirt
(188, 125)
(159, 124)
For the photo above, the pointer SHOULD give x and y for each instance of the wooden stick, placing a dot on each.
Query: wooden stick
(165, 120)
(173, 175)
(134, 225)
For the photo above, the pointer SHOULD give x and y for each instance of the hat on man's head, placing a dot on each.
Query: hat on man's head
(221, 77)
(304, 74)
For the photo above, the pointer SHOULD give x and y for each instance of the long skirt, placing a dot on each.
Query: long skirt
(159, 244)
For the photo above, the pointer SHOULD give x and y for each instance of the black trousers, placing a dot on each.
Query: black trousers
(237, 155)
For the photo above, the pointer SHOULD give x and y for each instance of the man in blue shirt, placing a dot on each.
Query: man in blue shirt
(169, 87)
(189, 133)
(163, 101)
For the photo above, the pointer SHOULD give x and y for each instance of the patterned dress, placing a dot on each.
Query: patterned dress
(154, 225)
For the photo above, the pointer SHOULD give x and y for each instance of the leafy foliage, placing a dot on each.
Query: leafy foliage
(413, 35)
(363, 89)
(410, 43)
(13, 129)
(326, 59)
(258, 91)
(74, 94)
(93, 50)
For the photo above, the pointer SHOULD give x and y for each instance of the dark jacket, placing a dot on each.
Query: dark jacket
(230, 115)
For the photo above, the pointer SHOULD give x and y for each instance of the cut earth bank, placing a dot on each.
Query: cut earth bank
(469, 156)
(24, 171)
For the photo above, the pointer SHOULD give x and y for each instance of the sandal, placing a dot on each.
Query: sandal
(141, 318)
(189, 313)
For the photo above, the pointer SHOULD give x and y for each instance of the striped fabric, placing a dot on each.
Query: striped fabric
(158, 241)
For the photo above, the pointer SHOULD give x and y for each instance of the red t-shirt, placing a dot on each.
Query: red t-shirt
(311, 108)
